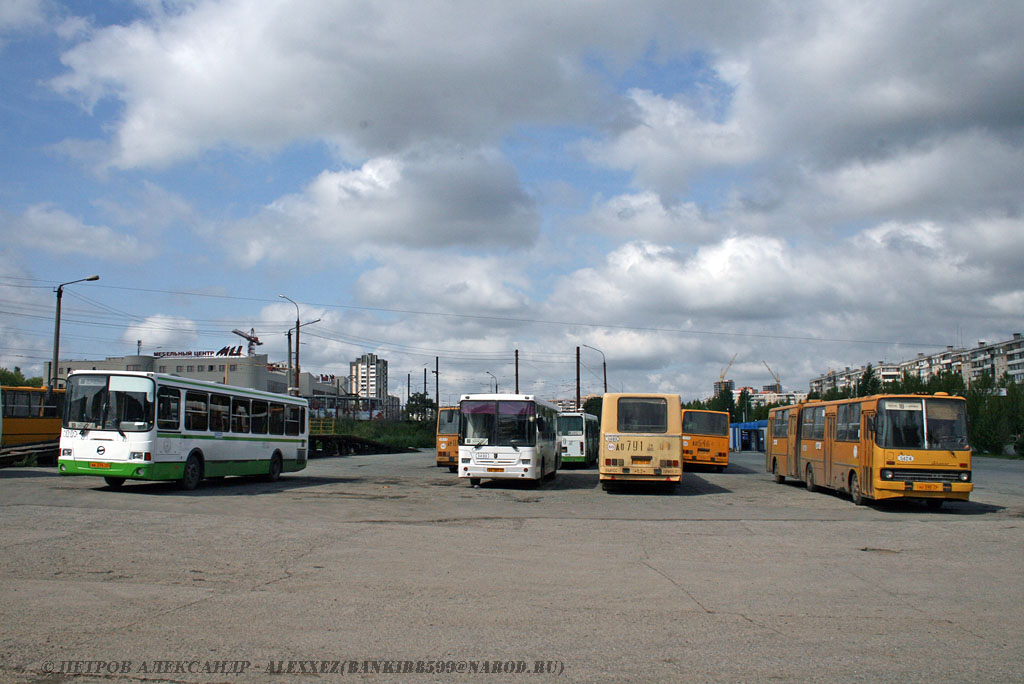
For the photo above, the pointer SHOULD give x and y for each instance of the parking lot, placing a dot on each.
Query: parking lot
(386, 568)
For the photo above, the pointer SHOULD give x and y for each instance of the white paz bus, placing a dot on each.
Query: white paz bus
(123, 425)
(507, 436)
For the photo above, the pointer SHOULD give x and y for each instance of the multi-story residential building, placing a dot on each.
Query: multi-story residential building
(994, 359)
(368, 377)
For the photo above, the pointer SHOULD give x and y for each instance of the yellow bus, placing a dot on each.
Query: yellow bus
(31, 415)
(706, 438)
(907, 446)
(447, 441)
(641, 439)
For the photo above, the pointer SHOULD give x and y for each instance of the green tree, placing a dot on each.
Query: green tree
(723, 401)
(15, 378)
(420, 407)
(593, 405)
(869, 383)
(988, 415)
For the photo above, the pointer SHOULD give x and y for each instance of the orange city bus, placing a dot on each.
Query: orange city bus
(447, 441)
(641, 439)
(706, 438)
(31, 415)
(879, 447)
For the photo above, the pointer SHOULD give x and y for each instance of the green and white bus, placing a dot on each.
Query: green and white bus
(124, 425)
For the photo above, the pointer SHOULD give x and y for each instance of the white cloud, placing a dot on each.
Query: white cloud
(173, 333)
(46, 228)
(470, 200)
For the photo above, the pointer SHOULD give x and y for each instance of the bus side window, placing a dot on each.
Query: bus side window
(291, 421)
(196, 411)
(258, 423)
(240, 415)
(277, 419)
(168, 408)
(220, 413)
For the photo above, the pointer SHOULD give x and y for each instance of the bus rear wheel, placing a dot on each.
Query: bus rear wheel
(779, 479)
(452, 469)
(856, 495)
(192, 475)
(474, 482)
(274, 473)
(114, 482)
(809, 481)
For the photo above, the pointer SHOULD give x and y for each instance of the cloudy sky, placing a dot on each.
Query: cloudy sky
(811, 184)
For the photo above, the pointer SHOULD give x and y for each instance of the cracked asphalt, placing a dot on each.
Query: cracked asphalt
(367, 568)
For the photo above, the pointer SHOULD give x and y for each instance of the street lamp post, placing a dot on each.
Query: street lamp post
(604, 364)
(495, 381)
(52, 380)
(297, 326)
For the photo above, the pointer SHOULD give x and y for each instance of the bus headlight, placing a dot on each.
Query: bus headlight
(965, 476)
(886, 474)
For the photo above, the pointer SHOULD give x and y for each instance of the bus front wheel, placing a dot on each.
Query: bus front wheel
(114, 482)
(193, 473)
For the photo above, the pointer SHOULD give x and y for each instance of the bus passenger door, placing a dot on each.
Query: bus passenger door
(794, 446)
(866, 456)
(830, 436)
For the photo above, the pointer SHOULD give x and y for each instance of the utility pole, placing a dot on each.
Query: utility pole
(517, 371)
(289, 378)
(437, 382)
(577, 378)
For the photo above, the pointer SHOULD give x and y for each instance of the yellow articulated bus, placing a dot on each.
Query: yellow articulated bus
(641, 439)
(447, 441)
(706, 439)
(874, 448)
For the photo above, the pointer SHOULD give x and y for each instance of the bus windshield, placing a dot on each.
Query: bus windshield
(497, 423)
(705, 423)
(114, 402)
(922, 424)
(570, 425)
(448, 422)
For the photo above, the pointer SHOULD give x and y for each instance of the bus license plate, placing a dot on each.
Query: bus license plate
(641, 471)
(99, 465)
(495, 470)
(928, 486)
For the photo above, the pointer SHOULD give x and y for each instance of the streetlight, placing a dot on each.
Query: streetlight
(495, 381)
(604, 364)
(56, 329)
(297, 326)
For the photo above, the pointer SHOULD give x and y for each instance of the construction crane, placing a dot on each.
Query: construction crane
(726, 369)
(778, 382)
(251, 336)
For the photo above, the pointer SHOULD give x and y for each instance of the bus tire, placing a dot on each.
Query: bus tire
(276, 466)
(934, 504)
(193, 473)
(474, 482)
(719, 468)
(856, 495)
(606, 485)
(779, 479)
(809, 481)
(114, 482)
(452, 469)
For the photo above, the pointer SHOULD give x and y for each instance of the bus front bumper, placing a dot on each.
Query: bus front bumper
(129, 470)
(888, 489)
